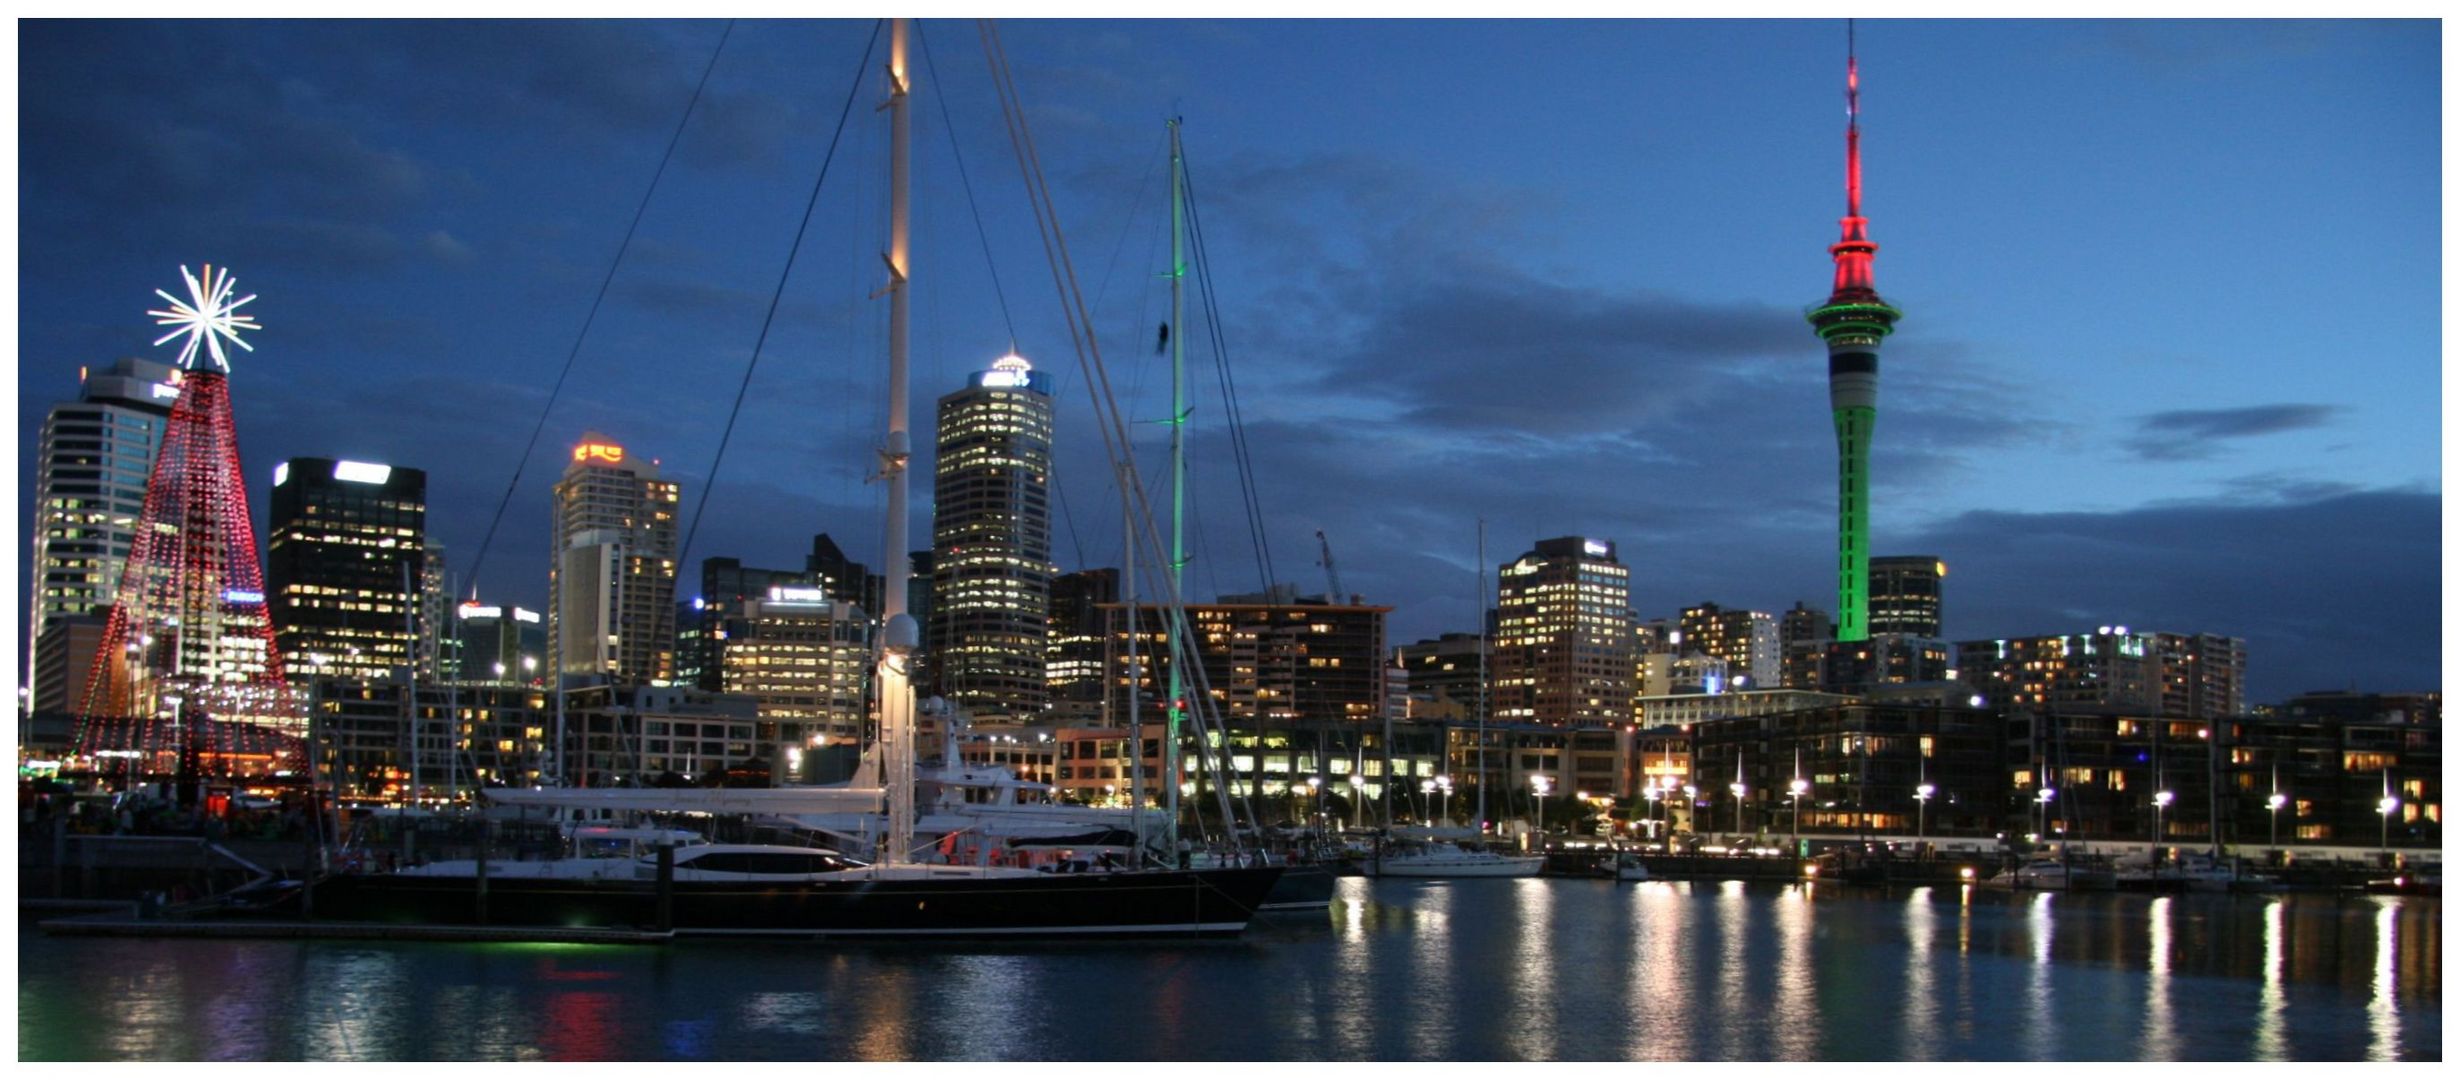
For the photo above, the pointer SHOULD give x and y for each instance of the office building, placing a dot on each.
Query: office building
(1563, 651)
(2110, 670)
(1905, 592)
(1079, 644)
(701, 623)
(611, 586)
(345, 568)
(989, 610)
(91, 467)
(500, 645)
(1442, 676)
(802, 657)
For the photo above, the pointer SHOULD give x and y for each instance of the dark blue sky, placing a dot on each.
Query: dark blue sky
(2170, 355)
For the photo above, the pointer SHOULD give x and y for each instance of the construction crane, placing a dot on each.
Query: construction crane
(1332, 576)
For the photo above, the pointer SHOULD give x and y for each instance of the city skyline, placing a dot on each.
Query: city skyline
(2264, 474)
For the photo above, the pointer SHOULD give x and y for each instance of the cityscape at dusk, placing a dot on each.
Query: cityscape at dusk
(1878, 532)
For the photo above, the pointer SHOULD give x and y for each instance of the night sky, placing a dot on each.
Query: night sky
(2170, 353)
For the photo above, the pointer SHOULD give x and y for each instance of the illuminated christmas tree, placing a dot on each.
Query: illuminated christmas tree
(187, 679)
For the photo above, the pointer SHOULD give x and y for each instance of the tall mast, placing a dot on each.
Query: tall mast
(1852, 322)
(900, 636)
(1178, 470)
(1482, 702)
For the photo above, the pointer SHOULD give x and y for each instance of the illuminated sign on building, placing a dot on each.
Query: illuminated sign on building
(281, 474)
(1593, 547)
(361, 472)
(242, 596)
(165, 390)
(481, 611)
(606, 452)
(790, 594)
(1010, 370)
(524, 615)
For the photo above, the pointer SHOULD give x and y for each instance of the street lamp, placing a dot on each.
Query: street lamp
(1921, 810)
(2390, 803)
(1691, 811)
(1795, 792)
(1426, 794)
(2161, 802)
(1541, 785)
(1315, 795)
(1653, 792)
(2042, 798)
(1443, 783)
(1358, 800)
(2274, 804)
(1737, 788)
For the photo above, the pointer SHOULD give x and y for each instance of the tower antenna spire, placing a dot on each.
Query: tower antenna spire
(1853, 128)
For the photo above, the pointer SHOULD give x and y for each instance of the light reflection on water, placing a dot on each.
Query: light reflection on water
(1467, 970)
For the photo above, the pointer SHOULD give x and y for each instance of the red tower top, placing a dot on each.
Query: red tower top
(1854, 250)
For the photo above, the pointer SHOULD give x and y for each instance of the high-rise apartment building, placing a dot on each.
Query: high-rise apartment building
(345, 570)
(1803, 634)
(991, 542)
(1745, 640)
(1563, 650)
(2110, 670)
(1905, 594)
(611, 587)
(89, 488)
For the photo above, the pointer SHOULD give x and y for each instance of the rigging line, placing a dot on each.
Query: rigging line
(1110, 421)
(523, 461)
(1236, 417)
(979, 232)
(861, 69)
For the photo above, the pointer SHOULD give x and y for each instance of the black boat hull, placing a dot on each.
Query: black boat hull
(1153, 903)
(1305, 887)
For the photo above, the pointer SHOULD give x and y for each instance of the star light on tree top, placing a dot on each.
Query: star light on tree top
(207, 317)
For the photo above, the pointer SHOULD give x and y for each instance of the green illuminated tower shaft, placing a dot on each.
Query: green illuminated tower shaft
(1852, 322)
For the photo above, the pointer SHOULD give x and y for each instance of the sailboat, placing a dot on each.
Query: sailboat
(815, 892)
(1439, 853)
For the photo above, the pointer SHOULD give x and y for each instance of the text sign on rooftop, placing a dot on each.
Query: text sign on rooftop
(606, 452)
(361, 472)
(1593, 547)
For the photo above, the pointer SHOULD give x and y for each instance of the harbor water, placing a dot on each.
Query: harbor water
(1512, 969)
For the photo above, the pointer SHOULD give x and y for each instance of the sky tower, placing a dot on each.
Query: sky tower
(1852, 321)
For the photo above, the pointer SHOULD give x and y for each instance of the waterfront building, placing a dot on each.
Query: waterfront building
(646, 735)
(1564, 651)
(1803, 634)
(611, 585)
(1662, 710)
(2334, 757)
(1096, 766)
(1862, 766)
(1745, 640)
(1905, 594)
(345, 567)
(467, 735)
(91, 464)
(1662, 674)
(1852, 322)
(989, 611)
(501, 645)
(1273, 661)
(1079, 645)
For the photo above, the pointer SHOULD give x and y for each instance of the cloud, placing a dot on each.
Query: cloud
(2326, 591)
(2188, 434)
